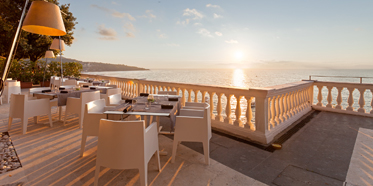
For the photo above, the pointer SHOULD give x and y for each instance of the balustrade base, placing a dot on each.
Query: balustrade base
(341, 111)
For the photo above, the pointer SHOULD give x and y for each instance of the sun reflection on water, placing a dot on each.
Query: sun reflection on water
(239, 77)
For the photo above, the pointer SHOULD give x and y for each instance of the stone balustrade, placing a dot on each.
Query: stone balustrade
(256, 114)
(348, 98)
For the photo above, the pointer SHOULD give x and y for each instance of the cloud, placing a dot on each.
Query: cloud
(194, 13)
(129, 26)
(129, 34)
(218, 33)
(114, 13)
(172, 45)
(183, 22)
(162, 36)
(114, 3)
(217, 16)
(204, 32)
(197, 24)
(231, 41)
(148, 14)
(107, 33)
(212, 6)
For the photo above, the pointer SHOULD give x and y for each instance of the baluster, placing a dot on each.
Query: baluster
(319, 96)
(228, 110)
(361, 100)
(329, 98)
(272, 111)
(339, 98)
(281, 108)
(286, 107)
(212, 104)
(350, 99)
(178, 91)
(183, 98)
(371, 102)
(249, 114)
(196, 96)
(277, 110)
(203, 96)
(292, 98)
(238, 113)
(219, 107)
(189, 95)
(297, 102)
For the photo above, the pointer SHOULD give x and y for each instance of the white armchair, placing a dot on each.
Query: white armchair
(195, 105)
(21, 107)
(93, 113)
(131, 146)
(11, 87)
(193, 126)
(168, 93)
(70, 82)
(76, 105)
(110, 92)
(115, 99)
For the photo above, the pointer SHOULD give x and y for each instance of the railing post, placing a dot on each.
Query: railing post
(219, 107)
(261, 117)
(228, 110)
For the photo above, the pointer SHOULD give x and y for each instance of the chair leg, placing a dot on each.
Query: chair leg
(206, 151)
(24, 121)
(60, 112)
(158, 160)
(84, 139)
(64, 118)
(10, 123)
(36, 118)
(50, 119)
(97, 174)
(143, 171)
(174, 148)
(80, 116)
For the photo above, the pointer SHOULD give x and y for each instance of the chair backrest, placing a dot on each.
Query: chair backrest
(86, 97)
(91, 123)
(57, 81)
(13, 87)
(113, 86)
(168, 92)
(115, 99)
(33, 90)
(195, 104)
(112, 91)
(85, 83)
(17, 105)
(207, 118)
(121, 144)
(70, 82)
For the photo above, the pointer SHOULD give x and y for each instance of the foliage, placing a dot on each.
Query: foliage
(32, 46)
(29, 71)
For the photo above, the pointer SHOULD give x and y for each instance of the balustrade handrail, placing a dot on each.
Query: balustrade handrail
(361, 78)
(344, 84)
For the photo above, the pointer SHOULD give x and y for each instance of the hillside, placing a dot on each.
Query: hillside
(96, 66)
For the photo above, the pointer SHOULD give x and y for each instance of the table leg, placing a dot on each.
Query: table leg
(146, 120)
(60, 113)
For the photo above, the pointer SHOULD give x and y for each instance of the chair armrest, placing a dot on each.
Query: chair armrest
(72, 98)
(190, 112)
(193, 108)
(151, 140)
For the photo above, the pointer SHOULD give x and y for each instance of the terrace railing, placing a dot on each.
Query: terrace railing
(257, 114)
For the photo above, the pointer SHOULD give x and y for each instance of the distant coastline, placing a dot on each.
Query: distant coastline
(98, 66)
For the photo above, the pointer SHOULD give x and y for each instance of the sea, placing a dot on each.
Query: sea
(250, 78)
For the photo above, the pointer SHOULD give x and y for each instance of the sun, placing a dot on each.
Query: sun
(238, 55)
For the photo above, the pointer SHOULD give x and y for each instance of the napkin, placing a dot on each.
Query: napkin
(93, 88)
(44, 91)
(144, 94)
(128, 101)
(61, 88)
(64, 91)
(167, 106)
(128, 108)
(173, 99)
(85, 86)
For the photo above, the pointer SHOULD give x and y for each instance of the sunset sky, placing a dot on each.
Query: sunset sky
(224, 34)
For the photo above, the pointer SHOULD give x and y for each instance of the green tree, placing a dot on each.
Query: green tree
(32, 46)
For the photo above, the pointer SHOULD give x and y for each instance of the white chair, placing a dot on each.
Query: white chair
(115, 99)
(53, 102)
(93, 113)
(70, 82)
(11, 87)
(168, 93)
(127, 145)
(85, 83)
(195, 105)
(193, 126)
(110, 92)
(57, 82)
(112, 86)
(76, 105)
(21, 107)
